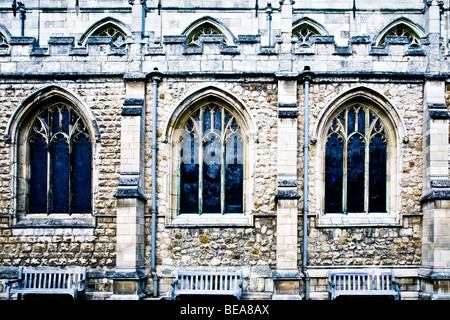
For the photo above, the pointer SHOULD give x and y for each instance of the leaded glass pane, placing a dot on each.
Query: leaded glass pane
(234, 175)
(212, 156)
(60, 175)
(361, 122)
(333, 174)
(355, 174)
(189, 188)
(377, 174)
(350, 122)
(189, 171)
(213, 184)
(82, 181)
(38, 175)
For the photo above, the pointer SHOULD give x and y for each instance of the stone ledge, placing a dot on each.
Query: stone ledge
(287, 194)
(124, 192)
(436, 194)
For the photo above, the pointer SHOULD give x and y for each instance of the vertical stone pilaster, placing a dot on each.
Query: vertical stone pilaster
(436, 198)
(435, 144)
(138, 16)
(286, 276)
(432, 16)
(130, 275)
(286, 45)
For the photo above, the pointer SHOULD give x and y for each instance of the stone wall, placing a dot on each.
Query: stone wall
(260, 78)
(93, 247)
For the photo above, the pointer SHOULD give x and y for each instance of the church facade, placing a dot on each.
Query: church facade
(285, 140)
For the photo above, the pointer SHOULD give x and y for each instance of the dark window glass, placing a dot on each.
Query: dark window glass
(355, 175)
(234, 175)
(189, 171)
(38, 174)
(377, 174)
(213, 184)
(333, 175)
(82, 168)
(212, 159)
(60, 164)
(65, 162)
(346, 167)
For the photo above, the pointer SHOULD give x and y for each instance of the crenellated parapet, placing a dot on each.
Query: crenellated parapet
(212, 55)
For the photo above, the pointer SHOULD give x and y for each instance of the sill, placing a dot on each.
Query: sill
(358, 220)
(75, 220)
(210, 220)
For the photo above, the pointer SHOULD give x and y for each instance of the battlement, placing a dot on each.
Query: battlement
(212, 55)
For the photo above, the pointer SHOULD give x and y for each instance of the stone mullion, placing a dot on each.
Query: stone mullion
(49, 175)
(366, 173)
(287, 276)
(200, 164)
(130, 274)
(344, 175)
(367, 133)
(344, 163)
(222, 167)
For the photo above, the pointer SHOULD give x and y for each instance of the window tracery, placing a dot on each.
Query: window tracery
(118, 36)
(356, 162)
(204, 30)
(211, 166)
(402, 31)
(304, 34)
(60, 162)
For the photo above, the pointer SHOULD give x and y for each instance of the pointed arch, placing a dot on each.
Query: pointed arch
(358, 133)
(108, 26)
(208, 25)
(304, 28)
(211, 138)
(366, 94)
(211, 94)
(401, 27)
(53, 137)
(49, 93)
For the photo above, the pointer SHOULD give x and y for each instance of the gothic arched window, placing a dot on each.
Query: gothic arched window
(59, 162)
(304, 34)
(401, 27)
(117, 35)
(206, 29)
(356, 162)
(403, 31)
(211, 162)
(108, 27)
(207, 26)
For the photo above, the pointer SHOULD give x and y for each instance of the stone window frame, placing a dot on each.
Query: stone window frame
(312, 27)
(195, 100)
(338, 127)
(202, 25)
(16, 136)
(218, 141)
(398, 28)
(100, 29)
(396, 136)
(53, 124)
